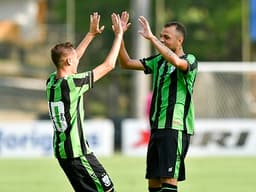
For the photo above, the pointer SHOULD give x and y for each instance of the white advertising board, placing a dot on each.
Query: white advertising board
(135, 137)
(100, 136)
(34, 139)
(25, 139)
(213, 137)
(224, 137)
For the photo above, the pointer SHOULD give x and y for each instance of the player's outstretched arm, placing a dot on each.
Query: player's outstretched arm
(124, 59)
(94, 30)
(110, 61)
(167, 53)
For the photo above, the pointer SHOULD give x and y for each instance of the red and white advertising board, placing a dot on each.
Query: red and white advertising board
(213, 137)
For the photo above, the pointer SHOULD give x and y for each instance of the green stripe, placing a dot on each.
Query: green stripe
(178, 113)
(62, 145)
(178, 154)
(56, 111)
(77, 111)
(57, 91)
(157, 77)
(92, 173)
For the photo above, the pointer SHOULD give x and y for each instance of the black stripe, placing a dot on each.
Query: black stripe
(186, 109)
(159, 99)
(149, 58)
(155, 90)
(79, 82)
(143, 61)
(147, 69)
(171, 98)
(186, 106)
(48, 80)
(80, 127)
(65, 90)
(92, 79)
(191, 67)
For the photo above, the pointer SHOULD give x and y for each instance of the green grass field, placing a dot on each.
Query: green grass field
(229, 174)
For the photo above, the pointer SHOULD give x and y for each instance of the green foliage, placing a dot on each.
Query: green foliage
(214, 26)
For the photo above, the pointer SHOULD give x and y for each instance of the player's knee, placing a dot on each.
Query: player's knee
(154, 183)
(171, 181)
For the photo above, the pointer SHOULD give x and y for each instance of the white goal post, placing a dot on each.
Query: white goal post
(225, 90)
(229, 67)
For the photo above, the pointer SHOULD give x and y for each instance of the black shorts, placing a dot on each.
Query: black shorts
(167, 149)
(86, 174)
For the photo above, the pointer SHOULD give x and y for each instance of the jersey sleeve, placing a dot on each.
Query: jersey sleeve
(192, 63)
(149, 63)
(50, 78)
(191, 73)
(83, 81)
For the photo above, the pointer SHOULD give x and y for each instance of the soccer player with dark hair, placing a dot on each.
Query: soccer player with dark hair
(65, 90)
(172, 111)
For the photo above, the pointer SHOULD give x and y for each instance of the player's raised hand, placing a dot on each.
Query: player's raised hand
(146, 31)
(125, 21)
(94, 24)
(116, 24)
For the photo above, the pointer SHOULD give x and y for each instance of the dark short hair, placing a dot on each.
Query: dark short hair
(179, 27)
(60, 50)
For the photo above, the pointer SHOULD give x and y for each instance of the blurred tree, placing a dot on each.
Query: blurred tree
(214, 27)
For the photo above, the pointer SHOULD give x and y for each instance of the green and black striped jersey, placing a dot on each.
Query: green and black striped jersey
(172, 105)
(65, 99)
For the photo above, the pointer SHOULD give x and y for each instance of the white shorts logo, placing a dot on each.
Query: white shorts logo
(106, 180)
(170, 169)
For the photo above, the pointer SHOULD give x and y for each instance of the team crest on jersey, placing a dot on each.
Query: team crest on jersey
(171, 69)
(176, 122)
(105, 179)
